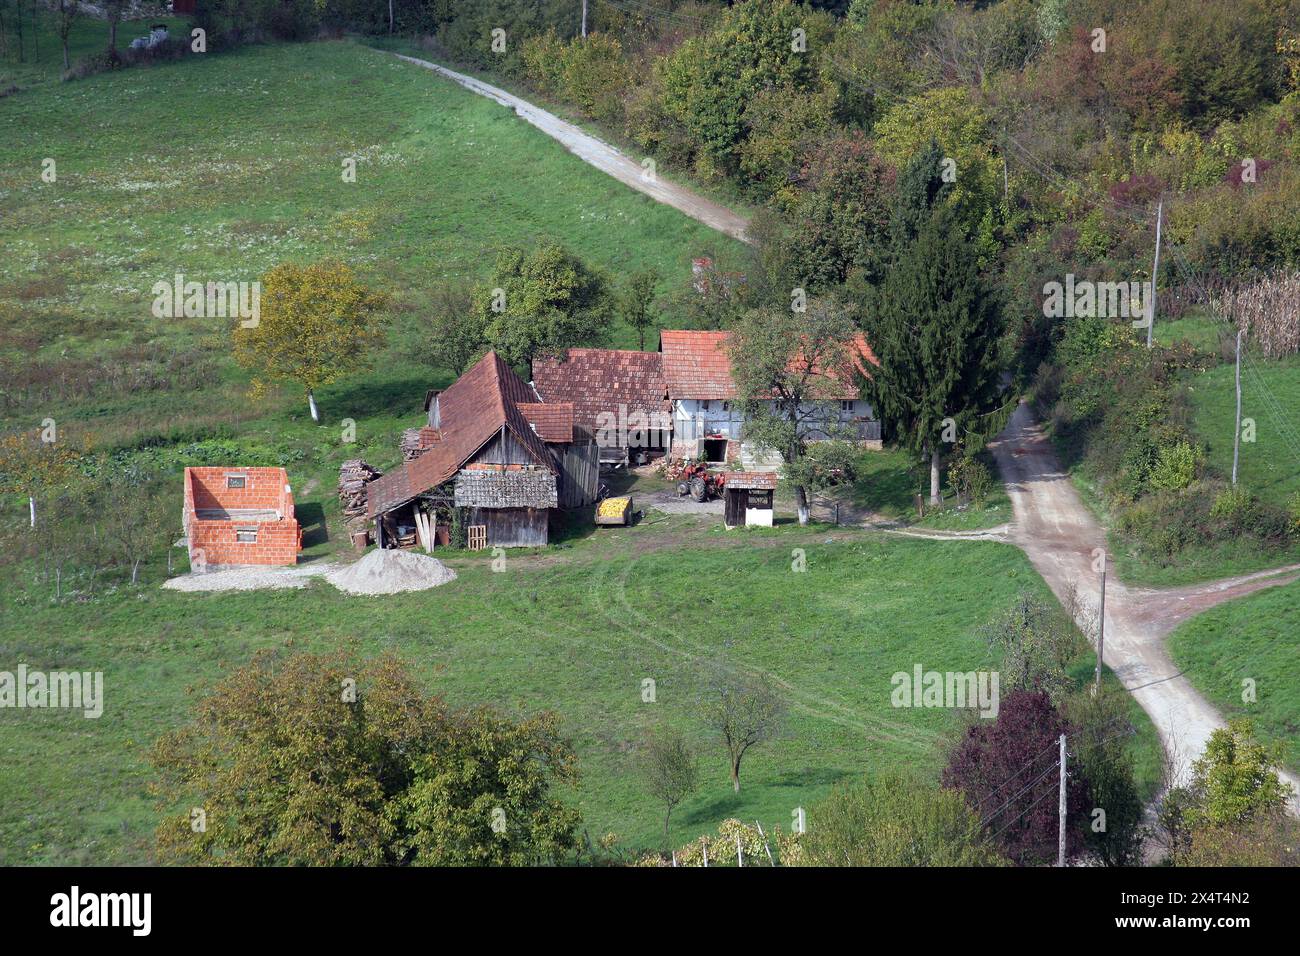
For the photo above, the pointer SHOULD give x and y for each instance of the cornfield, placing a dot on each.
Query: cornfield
(1269, 312)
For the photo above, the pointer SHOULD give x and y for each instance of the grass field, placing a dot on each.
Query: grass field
(575, 628)
(1253, 638)
(243, 172)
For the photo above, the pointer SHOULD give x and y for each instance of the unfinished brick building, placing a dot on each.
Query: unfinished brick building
(240, 516)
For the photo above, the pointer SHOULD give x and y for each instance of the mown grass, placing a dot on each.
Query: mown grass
(1251, 639)
(888, 482)
(576, 628)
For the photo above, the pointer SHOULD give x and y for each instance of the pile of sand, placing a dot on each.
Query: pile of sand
(388, 571)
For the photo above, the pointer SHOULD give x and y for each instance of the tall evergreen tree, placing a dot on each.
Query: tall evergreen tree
(934, 325)
(920, 188)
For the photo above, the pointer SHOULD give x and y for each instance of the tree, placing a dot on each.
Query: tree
(1236, 778)
(791, 371)
(138, 515)
(68, 10)
(1036, 643)
(839, 222)
(934, 327)
(331, 760)
(540, 302)
(36, 463)
(113, 10)
(455, 335)
(743, 711)
(1116, 834)
(635, 305)
(484, 795)
(317, 324)
(1007, 768)
(894, 820)
(711, 79)
(671, 771)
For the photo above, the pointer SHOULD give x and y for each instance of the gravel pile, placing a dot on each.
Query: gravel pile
(388, 571)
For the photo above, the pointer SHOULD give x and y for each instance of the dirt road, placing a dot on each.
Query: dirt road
(603, 156)
(1058, 534)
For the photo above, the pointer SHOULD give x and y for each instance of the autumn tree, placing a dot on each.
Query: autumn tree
(540, 302)
(1006, 765)
(792, 370)
(934, 326)
(331, 760)
(670, 769)
(317, 323)
(743, 711)
(36, 463)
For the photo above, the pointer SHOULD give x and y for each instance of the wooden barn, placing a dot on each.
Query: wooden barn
(490, 450)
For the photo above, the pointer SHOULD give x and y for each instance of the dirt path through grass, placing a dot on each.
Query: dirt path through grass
(601, 155)
(1058, 534)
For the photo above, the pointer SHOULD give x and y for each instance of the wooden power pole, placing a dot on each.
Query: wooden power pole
(1060, 837)
(1101, 629)
(584, 19)
(1236, 435)
(1155, 272)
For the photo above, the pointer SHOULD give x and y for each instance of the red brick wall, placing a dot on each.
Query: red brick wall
(214, 542)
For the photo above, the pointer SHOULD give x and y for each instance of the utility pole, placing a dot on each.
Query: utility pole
(1236, 435)
(1155, 272)
(1006, 192)
(584, 19)
(1101, 628)
(1060, 838)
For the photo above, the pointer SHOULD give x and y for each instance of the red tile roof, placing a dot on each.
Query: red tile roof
(757, 480)
(600, 380)
(554, 422)
(480, 403)
(696, 365)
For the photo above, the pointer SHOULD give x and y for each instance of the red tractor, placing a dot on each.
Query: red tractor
(697, 481)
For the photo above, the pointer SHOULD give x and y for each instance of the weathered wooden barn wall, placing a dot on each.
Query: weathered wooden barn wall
(579, 463)
(512, 527)
(504, 449)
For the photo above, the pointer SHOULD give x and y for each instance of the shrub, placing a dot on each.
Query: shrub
(969, 479)
(1175, 467)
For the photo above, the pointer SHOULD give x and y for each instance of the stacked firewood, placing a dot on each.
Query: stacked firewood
(410, 445)
(354, 474)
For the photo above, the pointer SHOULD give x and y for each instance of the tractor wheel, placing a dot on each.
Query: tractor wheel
(699, 489)
(683, 488)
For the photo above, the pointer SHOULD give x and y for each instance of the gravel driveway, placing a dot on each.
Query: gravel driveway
(1058, 534)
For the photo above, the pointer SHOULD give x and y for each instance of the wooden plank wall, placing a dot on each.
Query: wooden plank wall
(512, 527)
(579, 463)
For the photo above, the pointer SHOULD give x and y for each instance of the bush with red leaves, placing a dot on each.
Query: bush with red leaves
(1007, 769)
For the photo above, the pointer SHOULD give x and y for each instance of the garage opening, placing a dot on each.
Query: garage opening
(715, 450)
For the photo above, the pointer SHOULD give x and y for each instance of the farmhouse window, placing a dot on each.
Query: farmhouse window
(236, 481)
(246, 535)
(848, 406)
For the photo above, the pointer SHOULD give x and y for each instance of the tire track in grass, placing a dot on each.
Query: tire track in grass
(871, 726)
